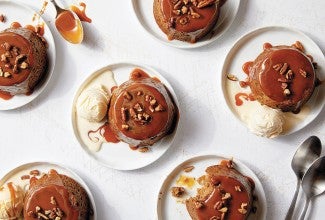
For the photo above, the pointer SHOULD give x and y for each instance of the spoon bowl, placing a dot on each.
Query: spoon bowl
(68, 24)
(306, 154)
(313, 182)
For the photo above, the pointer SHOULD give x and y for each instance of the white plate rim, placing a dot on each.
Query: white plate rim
(186, 45)
(51, 54)
(249, 172)
(243, 38)
(97, 72)
(53, 165)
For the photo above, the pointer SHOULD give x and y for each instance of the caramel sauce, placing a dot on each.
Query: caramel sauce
(81, 12)
(138, 74)
(226, 184)
(194, 24)
(69, 27)
(269, 77)
(24, 48)
(241, 95)
(247, 66)
(109, 135)
(40, 193)
(267, 46)
(5, 95)
(15, 25)
(133, 147)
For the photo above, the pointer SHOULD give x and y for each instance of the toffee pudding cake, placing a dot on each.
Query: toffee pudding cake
(23, 60)
(56, 196)
(186, 20)
(282, 77)
(225, 194)
(141, 110)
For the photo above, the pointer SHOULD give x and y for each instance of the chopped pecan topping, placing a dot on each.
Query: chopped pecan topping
(127, 95)
(159, 108)
(153, 102)
(138, 107)
(183, 21)
(277, 67)
(177, 191)
(125, 127)
(34, 172)
(223, 210)
(238, 188)
(124, 114)
(243, 208)
(289, 75)
(188, 169)
(194, 14)
(303, 73)
(232, 77)
(2, 18)
(178, 5)
(205, 3)
(218, 205)
(283, 68)
(7, 74)
(226, 196)
(177, 12)
(151, 108)
(53, 201)
(20, 58)
(286, 92)
(143, 149)
(184, 10)
(299, 46)
(139, 93)
(284, 85)
(133, 114)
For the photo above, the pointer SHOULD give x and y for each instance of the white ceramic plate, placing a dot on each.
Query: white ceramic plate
(144, 13)
(118, 155)
(17, 12)
(169, 207)
(44, 167)
(248, 47)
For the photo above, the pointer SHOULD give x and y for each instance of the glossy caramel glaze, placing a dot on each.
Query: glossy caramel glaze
(207, 14)
(226, 184)
(24, 46)
(281, 68)
(141, 110)
(40, 195)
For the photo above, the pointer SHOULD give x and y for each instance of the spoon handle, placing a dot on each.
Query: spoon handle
(302, 216)
(293, 202)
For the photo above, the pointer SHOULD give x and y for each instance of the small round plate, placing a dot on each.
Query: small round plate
(44, 167)
(169, 207)
(144, 13)
(247, 48)
(119, 156)
(17, 12)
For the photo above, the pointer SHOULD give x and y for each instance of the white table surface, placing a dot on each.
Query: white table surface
(42, 130)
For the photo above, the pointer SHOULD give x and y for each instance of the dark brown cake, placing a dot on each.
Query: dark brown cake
(23, 60)
(225, 194)
(56, 195)
(141, 111)
(186, 20)
(282, 77)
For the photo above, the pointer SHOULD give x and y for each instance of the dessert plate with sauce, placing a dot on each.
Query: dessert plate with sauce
(19, 174)
(18, 12)
(144, 14)
(169, 207)
(247, 48)
(118, 155)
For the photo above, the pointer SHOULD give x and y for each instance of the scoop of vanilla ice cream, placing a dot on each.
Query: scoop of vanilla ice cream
(92, 103)
(11, 201)
(265, 121)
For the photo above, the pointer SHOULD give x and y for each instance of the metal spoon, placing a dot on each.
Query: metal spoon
(68, 24)
(313, 182)
(306, 154)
